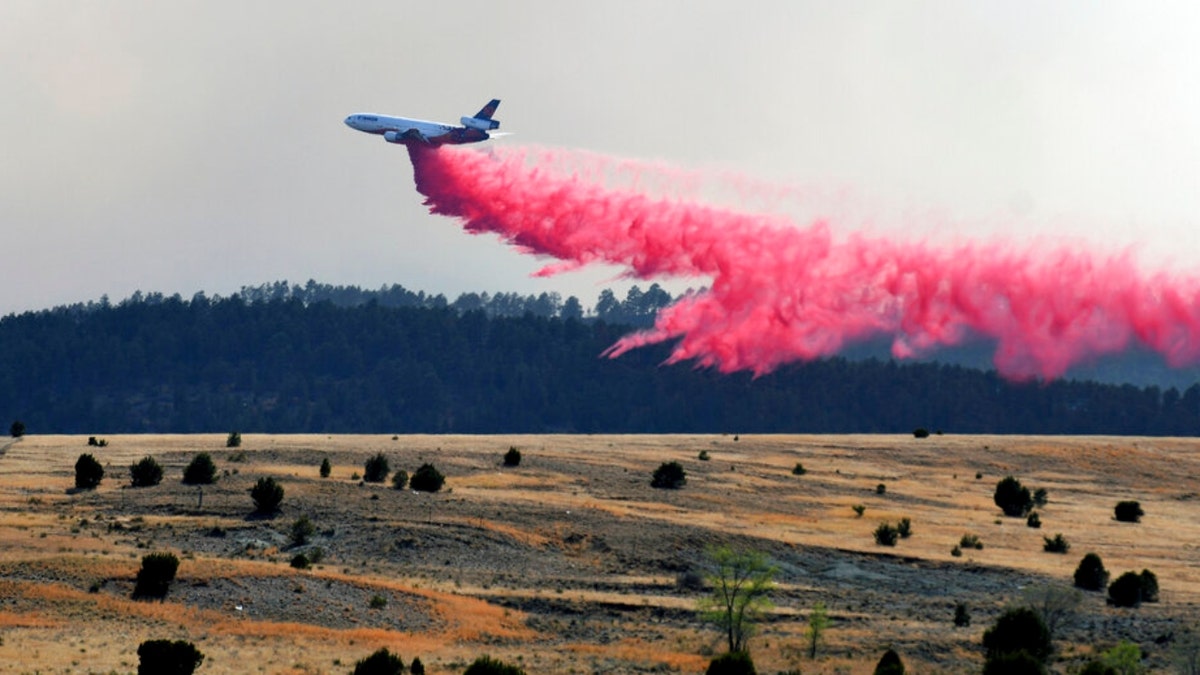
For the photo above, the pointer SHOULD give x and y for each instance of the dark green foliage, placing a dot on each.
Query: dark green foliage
(155, 576)
(486, 665)
(1098, 668)
(512, 457)
(400, 479)
(880, 489)
(669, 475)
(417, 668)
(904, 528)
(1014, 663)
(427, 479)
(382, 662)
(1126, 591)
(890, 664)
(233, 440)
(1040, 497)
(732, 663)
(1149, 586)
(1057, 544)
(799, 470)
(962, 616)
(145, 472)
(267, 495)
(1017, 630)
(920, 432)
(325, 468)
(971, 541)
(377, 602)
(302, 530)
(1090, 575)
(16, 429)
(376, 469)
(300, 561)
(164, 657)
(1013, 498)
(201, 470)
(88, 472)
(1034, 520)
(92, 442)
(886, 534)
(1129, 512)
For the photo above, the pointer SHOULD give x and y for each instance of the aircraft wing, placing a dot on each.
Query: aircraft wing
(414, 135)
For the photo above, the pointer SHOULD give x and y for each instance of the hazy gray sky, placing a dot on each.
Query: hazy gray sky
(184, 146)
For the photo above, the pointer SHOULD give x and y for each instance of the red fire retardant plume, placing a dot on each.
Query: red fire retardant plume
(780, 292)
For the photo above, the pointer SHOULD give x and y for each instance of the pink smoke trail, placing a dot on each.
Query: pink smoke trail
(781, 293)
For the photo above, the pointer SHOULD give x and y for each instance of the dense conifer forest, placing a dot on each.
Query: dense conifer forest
(317, 358)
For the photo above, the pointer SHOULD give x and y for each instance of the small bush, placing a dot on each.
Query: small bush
(417, 668)
(1126, 591)
(1034, 520)
(302, 530)
(427, 479)
(1012, 498)
(159, 657)
(378, 602)
(886, 535)
(703, 456)
(88, 472)
(971, 541)
(201, 471)
(890, 664)
(16, 429)
(962, 616)
(300, 561)
(486, 665)
(400, 479)
(145, 472)
(880, 489)
(233, 440)
(267, 496)
(382, 662)
(1014, 663)
(1129, 512)
(799, 469)
(155, 576)
(1090, 575)
(376, 469)
(956, 551)
(326, 467)
(512, 457)
(1040, 497)
(690, 580)
(670, 476)
(920, 432)
(1018, 630)
(732, 663)
(904, 528)
(1149, 586)
(859, 510)
(1058, 544)
(92, 442)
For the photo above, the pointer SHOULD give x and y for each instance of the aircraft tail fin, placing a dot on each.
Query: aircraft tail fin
(488, 110)
(483, 119)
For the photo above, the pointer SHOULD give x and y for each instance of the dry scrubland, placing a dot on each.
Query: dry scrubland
(568, 563)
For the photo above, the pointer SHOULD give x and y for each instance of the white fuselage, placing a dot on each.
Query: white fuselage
(380, 124)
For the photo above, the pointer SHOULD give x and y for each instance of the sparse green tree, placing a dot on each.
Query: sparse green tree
(267, 495)
(427, 479)
(88, 472)
(200, 471)
(164, 657)
(1123, 659)
(145, 472)
(302, 530)
(741, 583)
(818, 621)
(1090, 575)
(376, 469)
(382, 662)
(233, 440)
(400, 479)
(155, 576)
(1013, 498)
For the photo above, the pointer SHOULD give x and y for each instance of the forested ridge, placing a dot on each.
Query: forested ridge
(279, 358)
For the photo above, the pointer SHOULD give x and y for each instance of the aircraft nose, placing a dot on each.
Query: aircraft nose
(349, 121)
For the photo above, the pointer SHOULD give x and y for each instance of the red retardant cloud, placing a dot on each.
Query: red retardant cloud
(781, 293)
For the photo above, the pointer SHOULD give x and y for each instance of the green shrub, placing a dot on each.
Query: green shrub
(956, 551)
(1040, 497)
(427, 479)
(417, 668)
(1034, 520)
(325, 468)
(1014, 663)
(880, 489)
(732, 663)
(1058, 544)
(201, 470)
(376, 469)
(88, 472)
(302, 530)
(512, 457)
(1129, 512)
(1149, 586)
(670, 476)
(486, 665)
(962, 616)
(1098, 668)
(920, 432)
(155, 576)
(164, 657)
(703, 456)
(382, 662)
(1126, 591)
(971, 541)
(886, 535)
(1018, 630)
(400, 479)
(1012, 498)
(799, 469)
(145, 472)
(890, 664)
(378, 602)
(859, 510)
(16, 429)
(904, 528)
(267, 496)
(1090, 575)
(233, 440)
(300, 561)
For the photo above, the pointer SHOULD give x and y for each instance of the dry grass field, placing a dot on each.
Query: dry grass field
(569, 562)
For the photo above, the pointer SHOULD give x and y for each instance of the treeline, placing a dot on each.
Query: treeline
(274, 359)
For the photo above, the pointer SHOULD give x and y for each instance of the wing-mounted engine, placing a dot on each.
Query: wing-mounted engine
(479, 123)
(393, 137)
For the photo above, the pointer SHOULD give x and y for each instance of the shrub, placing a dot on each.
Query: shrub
(201, 470)
(920, 432)
(904, 528)
(513, 457)
(1014, 663)
(669, 475)
(145, 472)
(1040, 497)
(1012, 498)
(16, 429)
(1090, 575)
(325, 468)
(417, 668)
(886, 535)
(889, 664)
(486, 665)
(233, 440)
(88, 472)
(400, 479)
(427, 479)
(970, 541)
(376, 469)
(302, 530)
(880, 489)
(956, 551)
(378, 602)
(703, 456)
(382, 662)
(1126, 591)
(155, 576)
(1056, 545)
(1129, 512)
(962, 616)
(799, 469)
(1149, 586)
(267, 495)
(1034, 520)
(156, 657)
(859, 509)
(300, 561)
(1018, 630)
(732, 663)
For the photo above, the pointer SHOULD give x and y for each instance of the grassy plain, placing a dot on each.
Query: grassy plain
(569, 562)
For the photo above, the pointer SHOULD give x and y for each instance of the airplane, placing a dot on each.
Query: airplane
(404, 130)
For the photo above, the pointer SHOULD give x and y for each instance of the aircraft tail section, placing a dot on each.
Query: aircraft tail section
(488, 110)
(483, 119)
